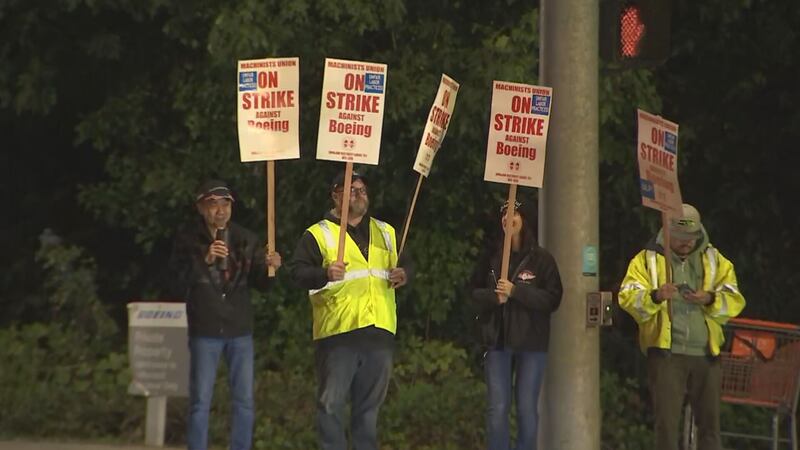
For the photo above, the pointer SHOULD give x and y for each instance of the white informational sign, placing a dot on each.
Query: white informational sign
(436, 126)
(657, 149)
(351, 111)
(518, 128)
(269, 109)
(158, 349)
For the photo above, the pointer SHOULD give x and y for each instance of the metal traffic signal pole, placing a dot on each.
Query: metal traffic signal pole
(568, 221)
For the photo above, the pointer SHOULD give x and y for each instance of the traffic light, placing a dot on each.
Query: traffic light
(635, 33)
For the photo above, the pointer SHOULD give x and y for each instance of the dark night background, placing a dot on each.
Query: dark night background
(111, 112)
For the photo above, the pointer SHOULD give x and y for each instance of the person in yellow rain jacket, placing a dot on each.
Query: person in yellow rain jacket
(682, 345)
(354, 311)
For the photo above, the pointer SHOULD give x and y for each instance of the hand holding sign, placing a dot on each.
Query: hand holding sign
(269, 121)
(351, 111)
(351, 120)
(519, 121)
(515, 151)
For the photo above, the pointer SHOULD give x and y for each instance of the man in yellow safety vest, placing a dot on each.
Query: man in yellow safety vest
(354, 312)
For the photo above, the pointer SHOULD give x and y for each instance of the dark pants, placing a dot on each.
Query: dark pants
(672, 378)
(351, 372)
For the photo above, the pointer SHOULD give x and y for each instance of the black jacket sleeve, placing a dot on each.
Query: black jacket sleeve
(305, 267)
(482, 285)
(258, 272)
(485, 299)
(178, 277)
(545, 295)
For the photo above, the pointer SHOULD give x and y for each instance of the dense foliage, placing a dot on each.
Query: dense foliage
(112, 111)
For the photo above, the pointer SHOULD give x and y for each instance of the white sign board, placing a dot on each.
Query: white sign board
(351, 111)
(436, 126)
(268, 109)
(657, 150)
(158, 349)
(518, 128)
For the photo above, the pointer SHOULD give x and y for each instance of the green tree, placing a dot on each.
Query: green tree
(735, 93)
(113, 110)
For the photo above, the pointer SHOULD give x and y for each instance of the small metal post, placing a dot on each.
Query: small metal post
(155, 423)
(775, 430)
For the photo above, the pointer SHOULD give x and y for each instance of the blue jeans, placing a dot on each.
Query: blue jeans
(499, 367)
(204, 355)
(359, 375)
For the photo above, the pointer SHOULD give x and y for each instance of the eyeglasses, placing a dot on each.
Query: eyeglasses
(354, 191)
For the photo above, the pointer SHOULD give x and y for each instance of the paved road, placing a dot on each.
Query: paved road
(27, 445)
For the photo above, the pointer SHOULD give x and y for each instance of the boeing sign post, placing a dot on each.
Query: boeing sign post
(159, 359)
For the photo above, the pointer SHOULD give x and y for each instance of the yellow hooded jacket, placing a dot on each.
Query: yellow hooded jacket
(646, 272)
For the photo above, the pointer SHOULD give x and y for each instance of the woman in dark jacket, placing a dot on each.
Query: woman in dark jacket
(514, 319)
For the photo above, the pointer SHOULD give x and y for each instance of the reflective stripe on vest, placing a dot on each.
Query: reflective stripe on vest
(711, 255)
(650, 255)
(364, 297)
(653, 268)
(354, 275)
(385, 231)
(711, 264)
(328, 234)
(326, 231)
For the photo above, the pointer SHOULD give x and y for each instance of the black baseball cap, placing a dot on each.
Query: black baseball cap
(211, 188)
(338, 180)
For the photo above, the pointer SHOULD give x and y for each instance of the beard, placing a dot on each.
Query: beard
(359, 206)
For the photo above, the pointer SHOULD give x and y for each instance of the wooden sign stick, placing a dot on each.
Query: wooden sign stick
(512, 198)
(667, 246)
(667, 256)
(270, 212)
(410, 213)
(348, 175)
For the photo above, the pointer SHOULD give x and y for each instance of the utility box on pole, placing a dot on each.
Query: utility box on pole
(599, 311)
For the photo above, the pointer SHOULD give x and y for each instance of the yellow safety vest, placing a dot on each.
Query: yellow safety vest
(364, 297)
(647, 271)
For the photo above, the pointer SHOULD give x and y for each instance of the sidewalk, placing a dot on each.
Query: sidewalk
(28, 445)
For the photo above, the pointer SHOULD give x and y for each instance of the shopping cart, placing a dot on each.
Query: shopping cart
(760, 367)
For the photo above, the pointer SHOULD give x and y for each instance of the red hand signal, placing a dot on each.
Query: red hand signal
(632, 31)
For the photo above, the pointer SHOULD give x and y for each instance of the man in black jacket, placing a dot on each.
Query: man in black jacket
(213, 265)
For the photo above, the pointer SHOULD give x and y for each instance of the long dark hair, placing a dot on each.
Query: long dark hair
(493, 240)
(529, 226)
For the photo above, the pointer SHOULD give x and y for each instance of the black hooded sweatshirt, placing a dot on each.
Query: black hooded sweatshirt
(523, 322)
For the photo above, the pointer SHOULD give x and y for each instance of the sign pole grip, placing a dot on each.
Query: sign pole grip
(348, 175)
(512, 198)
(667, 256)
(270, 212)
